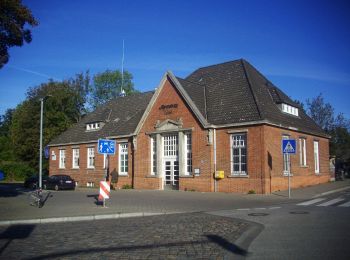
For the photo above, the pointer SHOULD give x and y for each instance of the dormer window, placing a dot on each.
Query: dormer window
(290, 109)
(93, 126)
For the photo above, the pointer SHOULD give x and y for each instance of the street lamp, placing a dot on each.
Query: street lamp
(41, 140)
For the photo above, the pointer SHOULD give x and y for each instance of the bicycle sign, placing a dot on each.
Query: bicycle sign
(106, 146)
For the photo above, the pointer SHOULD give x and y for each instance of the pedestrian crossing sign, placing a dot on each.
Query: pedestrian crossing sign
(289, 146)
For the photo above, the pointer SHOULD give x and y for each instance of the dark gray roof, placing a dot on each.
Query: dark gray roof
(235, 92)
(120, 116)
(225, 94)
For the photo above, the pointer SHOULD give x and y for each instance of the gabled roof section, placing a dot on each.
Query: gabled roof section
(269, 97)
(236, 93)
(229, 95)
(120, 117)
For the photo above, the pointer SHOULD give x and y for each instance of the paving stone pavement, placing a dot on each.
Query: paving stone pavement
(174, 236)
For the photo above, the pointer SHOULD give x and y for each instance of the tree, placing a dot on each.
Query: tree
(336, 126)
(107, 85)
(63, 108)
(322, 113)
(13, 18)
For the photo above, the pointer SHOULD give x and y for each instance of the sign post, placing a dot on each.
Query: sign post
(289, 146)
(105, 147)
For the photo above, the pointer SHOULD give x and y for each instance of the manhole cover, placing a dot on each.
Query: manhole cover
(258, 214)
(299, 212)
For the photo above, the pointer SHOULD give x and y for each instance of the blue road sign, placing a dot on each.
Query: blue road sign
(2, 175)
(106, 146)
(289, 146)
(47, 152)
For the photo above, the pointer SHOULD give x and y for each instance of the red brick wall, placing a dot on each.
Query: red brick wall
(255, 146)
(201, 151)
(263, 141)
(83, 174)
(302, 176)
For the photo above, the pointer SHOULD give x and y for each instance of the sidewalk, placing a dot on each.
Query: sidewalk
(64, 206)
(316, 191)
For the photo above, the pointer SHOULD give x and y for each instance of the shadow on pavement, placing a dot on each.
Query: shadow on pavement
(95, 196)
(15, 232)
(227, 245)
(11, 189)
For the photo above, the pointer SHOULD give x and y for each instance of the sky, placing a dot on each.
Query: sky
(303, 47)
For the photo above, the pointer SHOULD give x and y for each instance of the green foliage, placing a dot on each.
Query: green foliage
(62, 109)
(251, 192)
(16, 171)
(322, 113)
(126, 187)
(336, 126)
(13, 18)
(107, 85)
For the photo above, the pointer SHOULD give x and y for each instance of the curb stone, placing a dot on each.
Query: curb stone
(83, 218)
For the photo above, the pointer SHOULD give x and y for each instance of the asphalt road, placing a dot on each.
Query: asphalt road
(210, 226)
(319, 229)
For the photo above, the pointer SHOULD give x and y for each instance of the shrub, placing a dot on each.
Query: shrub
(16, 171)
(251, 192)
(126, 187)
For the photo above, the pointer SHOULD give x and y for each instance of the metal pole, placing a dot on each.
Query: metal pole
(41, 142)
(290, 170)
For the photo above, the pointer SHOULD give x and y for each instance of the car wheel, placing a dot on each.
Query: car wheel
(56, 187)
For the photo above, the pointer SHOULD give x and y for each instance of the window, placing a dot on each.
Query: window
(316, 157)
(153, 155)
(290, 110)
(170, 145)
(239, 154)
(92, 126)
(62, 159)
(286, 159)
(302, 151)
(75, 161)
(91, 157)
(188, 142)
(123, 158)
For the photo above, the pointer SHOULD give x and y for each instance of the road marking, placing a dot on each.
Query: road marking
(347, 204)
(331, 202)
(309, 202)
(259, 208)
(243, 209)
(275, 208)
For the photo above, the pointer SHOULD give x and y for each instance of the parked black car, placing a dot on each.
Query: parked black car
(33, 182)
(59, 182)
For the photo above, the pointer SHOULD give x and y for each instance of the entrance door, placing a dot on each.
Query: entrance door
(171, 161)
(171, 174)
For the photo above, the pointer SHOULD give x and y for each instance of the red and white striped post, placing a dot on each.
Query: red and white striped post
(105, 189)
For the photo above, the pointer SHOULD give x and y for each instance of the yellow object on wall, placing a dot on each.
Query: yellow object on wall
(219, 174)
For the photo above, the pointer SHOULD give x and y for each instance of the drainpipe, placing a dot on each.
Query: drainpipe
(215, 181)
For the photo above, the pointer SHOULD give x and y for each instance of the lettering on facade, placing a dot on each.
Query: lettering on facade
(168, 109)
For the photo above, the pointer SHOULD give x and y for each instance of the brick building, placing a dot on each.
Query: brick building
(226, 117)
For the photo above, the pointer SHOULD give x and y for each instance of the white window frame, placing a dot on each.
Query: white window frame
(240, 144)
(188, 153)
(317, 157)
(153, 155)
(290, 109)
(171, 145)
(90, 157)
(286, 159)
(302, 152)
(75, 158)
(123, 159)
(62, 164)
